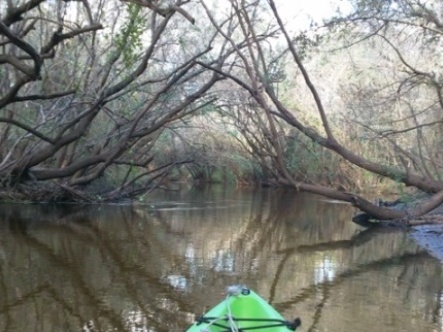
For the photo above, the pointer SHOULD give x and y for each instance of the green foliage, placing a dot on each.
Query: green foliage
(394, 173)
(309, 162)
(129, 39)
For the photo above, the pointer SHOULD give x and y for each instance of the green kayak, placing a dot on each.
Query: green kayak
(243, 310)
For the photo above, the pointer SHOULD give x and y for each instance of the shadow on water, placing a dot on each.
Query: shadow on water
(151, 267)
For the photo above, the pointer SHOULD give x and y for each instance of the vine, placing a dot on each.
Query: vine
(129, 40)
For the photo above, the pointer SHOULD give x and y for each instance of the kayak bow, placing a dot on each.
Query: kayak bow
(243, 310)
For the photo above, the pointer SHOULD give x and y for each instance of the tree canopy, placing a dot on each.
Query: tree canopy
(104, 100)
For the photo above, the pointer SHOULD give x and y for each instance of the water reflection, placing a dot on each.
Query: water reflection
(150, 268)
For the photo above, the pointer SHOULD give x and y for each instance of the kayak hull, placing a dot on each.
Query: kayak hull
(243, 310)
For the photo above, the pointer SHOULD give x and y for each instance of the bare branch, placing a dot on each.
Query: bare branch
(162, 11)
(26, 48)
(15, 14)
(27, 128)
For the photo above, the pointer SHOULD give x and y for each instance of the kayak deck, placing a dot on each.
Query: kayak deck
(243, 310)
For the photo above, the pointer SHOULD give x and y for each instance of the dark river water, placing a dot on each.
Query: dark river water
(152, 267)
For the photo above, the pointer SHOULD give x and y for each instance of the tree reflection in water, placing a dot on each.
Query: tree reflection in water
(150, 268)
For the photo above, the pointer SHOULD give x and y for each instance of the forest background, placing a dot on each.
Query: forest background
(102, 101)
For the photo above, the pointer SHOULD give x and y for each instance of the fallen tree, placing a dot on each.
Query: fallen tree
(257, 80)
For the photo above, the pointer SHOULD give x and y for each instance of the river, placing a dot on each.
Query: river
(153, 266)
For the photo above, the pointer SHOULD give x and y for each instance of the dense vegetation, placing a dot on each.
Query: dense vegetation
(105, 100)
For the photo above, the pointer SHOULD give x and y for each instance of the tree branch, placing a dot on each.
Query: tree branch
(27, 128)
(15, 14)
(20, 43)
